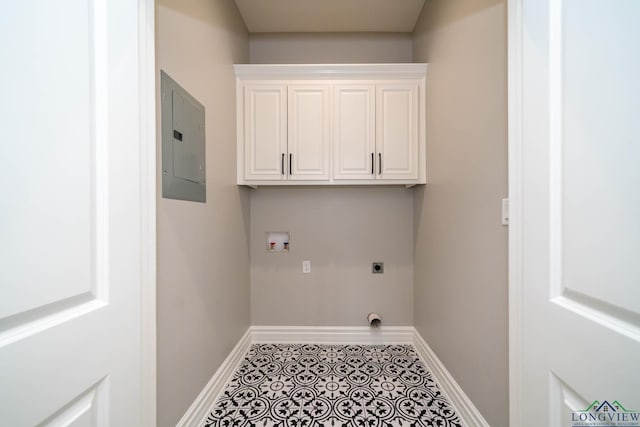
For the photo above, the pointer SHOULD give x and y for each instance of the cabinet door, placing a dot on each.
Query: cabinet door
(353, 132)
(265, 132)
(397, 131)
(309, 132)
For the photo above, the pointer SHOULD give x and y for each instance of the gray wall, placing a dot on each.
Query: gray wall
(460, 300)
(203, 253)
(330, 48)
(341, 231)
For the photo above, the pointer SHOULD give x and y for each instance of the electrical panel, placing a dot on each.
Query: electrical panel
(183, 143)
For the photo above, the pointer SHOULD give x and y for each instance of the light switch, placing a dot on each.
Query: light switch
(505, 211)
(306, 266)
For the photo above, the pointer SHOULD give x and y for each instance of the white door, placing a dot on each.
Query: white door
(265, 132)
(70, 258)
(354, 131)
(575, 224)
(309, 126)
(397, 130)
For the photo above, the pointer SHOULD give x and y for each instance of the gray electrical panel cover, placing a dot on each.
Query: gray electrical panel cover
(183, 143)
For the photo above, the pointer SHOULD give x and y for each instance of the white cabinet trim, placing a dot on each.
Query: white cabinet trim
(330, 71)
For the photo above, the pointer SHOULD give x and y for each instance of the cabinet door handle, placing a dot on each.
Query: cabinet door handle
(282, 164)
(379, 163)
(372, 172)
(290, 161)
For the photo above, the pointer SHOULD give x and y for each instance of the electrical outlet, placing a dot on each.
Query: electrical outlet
(306, 266)
(377, 267)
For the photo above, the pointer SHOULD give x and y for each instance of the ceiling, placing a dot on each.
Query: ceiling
(301, 16)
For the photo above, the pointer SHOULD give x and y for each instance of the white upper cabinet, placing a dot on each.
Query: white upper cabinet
(309, 132)
(286, 132)
(354, 145)
(360, 124)
(376, 132)
(265, 131)
(397, 130)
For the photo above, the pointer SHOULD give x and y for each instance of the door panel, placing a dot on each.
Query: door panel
(397, 130)
(599, 147)
(265, 130)
(354, 132)
(309, 132)
(35, 73)
(70, 260)
(88, 409)
(563, 401)
(580, 208)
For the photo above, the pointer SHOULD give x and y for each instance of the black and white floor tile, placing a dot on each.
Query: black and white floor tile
(305, 385)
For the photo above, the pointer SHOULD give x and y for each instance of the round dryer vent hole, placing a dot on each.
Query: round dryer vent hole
(374, 320)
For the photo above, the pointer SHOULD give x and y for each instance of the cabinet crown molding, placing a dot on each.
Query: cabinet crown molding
(330, 71)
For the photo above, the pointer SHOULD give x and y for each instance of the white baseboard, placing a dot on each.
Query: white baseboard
(467, 411)
(201, 407)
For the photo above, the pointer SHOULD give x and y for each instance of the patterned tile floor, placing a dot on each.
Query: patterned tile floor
(305, 385)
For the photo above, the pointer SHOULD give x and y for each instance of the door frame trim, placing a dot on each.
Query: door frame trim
(147, 140)
(515, 144)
